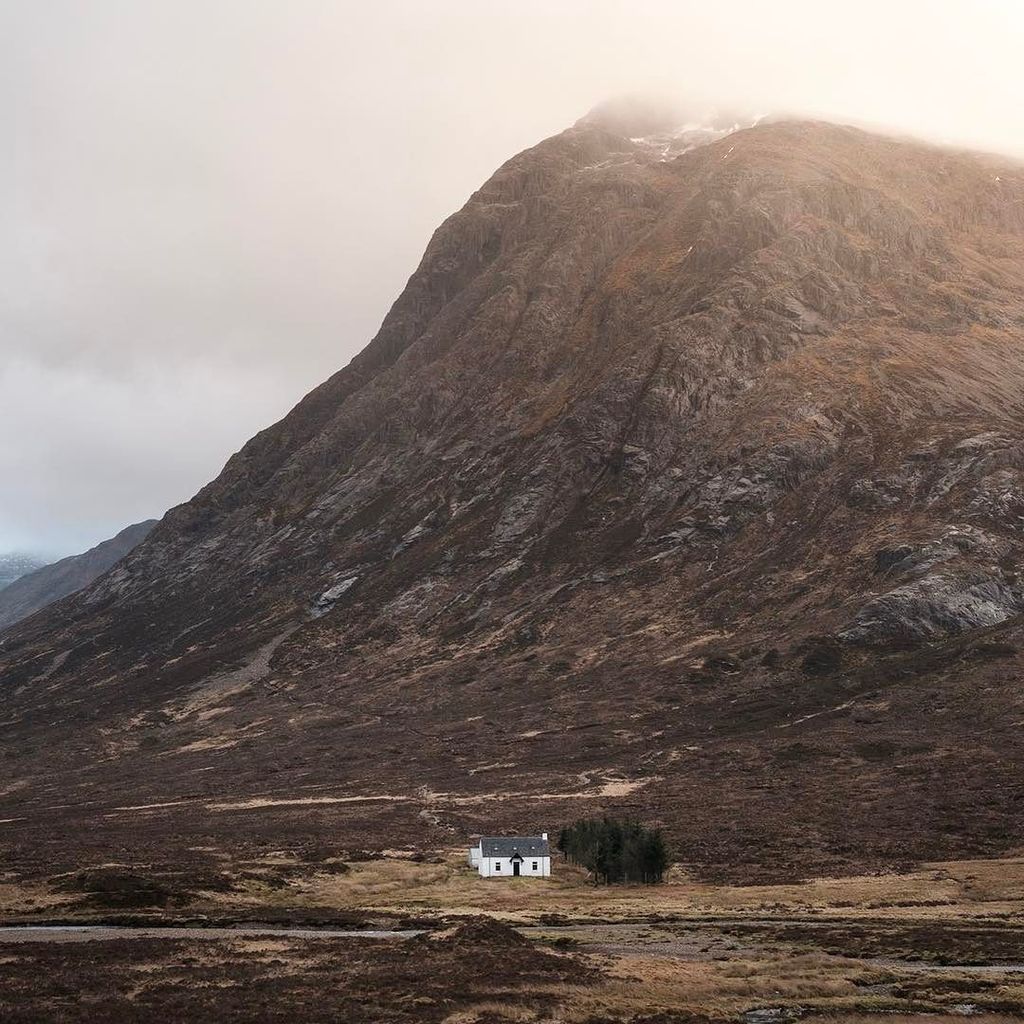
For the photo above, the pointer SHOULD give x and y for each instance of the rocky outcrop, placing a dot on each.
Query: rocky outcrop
(936, 606)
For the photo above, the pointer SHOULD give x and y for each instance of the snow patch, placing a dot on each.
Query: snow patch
(670, 144)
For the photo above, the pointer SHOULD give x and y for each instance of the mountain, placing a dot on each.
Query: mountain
(14, 565)
(689, 486)
(43, 586)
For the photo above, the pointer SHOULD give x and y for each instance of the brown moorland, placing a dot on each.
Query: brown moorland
(936, 944)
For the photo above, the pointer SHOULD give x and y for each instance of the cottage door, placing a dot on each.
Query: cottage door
(515, 867)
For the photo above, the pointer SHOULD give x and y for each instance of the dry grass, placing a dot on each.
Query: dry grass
(657, 963)
(830, 987)
(917, 1018)
(25, 898)
(721, 989)
(956, 890)
(654, 977)
(492, 1010)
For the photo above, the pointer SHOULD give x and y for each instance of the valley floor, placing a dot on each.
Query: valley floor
(396, 939)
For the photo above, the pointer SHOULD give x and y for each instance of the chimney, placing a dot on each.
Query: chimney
(544, 835)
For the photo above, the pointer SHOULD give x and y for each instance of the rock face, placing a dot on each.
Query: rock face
(50, 583)
(936, 606)
(679, 484)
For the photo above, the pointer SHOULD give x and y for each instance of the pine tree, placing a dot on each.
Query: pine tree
(615, 851)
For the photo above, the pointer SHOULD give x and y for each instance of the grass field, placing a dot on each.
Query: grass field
(936, 944)
(963, 889)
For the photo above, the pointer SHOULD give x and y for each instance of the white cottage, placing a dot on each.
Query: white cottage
(512, 856)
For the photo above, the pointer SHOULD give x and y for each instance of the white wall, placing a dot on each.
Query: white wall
(501, 867)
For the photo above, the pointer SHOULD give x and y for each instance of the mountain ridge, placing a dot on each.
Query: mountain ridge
(15, 564)
(49, 583)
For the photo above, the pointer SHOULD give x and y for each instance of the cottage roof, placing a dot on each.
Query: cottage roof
(508, 846)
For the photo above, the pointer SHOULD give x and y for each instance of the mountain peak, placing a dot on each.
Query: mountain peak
(664, 126)
(720, 451)
(639, 115)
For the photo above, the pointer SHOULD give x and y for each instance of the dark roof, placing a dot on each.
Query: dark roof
(507, 846)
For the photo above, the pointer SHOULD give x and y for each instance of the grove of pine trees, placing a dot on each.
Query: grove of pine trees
(615, 851)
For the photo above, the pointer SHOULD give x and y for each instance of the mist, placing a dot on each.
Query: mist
(209, 207)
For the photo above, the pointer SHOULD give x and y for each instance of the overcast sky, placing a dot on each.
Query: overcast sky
(207, 206)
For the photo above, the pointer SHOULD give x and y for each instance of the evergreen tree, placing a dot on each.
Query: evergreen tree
(615, 851)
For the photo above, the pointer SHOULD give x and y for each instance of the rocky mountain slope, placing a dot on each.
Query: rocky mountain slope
(14, 565)
(50, 583)
(684, 485)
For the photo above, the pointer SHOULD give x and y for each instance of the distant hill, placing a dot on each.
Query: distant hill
(14, 565)
(39, 585)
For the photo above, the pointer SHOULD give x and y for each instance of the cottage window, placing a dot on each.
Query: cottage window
(534, 865)
(497, 865)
